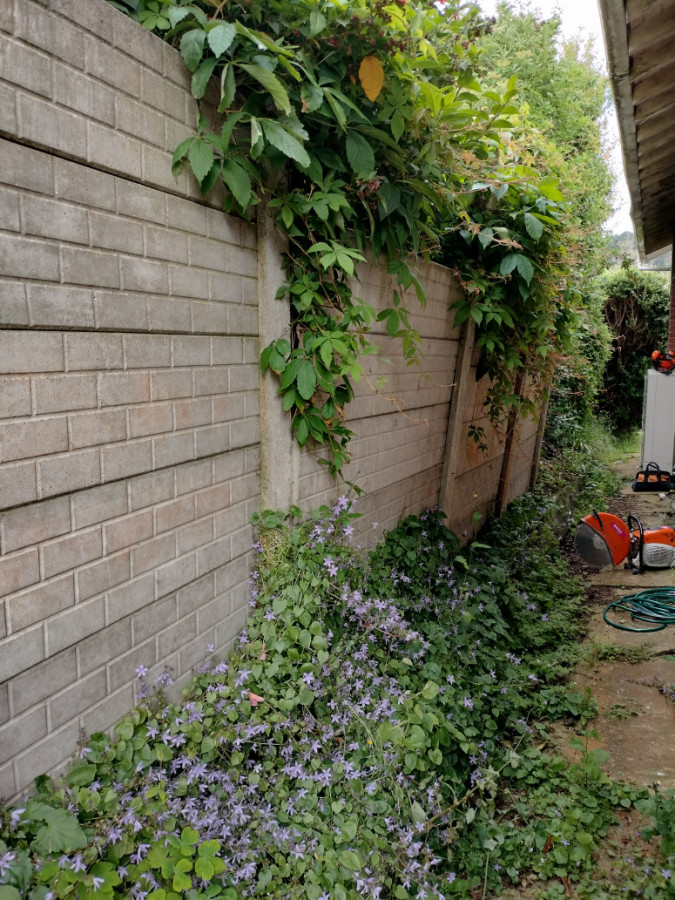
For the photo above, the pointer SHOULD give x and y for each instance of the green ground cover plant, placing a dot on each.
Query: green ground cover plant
(378, 731)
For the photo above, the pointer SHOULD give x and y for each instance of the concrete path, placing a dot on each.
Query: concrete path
(637, 721)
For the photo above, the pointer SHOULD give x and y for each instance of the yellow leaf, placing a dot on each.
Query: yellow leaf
(371, 76)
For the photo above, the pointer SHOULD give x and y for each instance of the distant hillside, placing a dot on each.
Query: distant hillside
(624, 245)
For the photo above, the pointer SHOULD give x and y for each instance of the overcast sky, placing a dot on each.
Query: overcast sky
(581, 19)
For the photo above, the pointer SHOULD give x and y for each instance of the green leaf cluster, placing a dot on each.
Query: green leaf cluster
(434, 159)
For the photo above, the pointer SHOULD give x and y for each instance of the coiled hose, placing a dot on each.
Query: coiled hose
(656, 606)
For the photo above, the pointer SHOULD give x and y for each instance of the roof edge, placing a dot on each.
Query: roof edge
(614, 28)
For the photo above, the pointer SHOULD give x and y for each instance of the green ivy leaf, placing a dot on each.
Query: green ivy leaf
(306, 379)
(220, 37)
(548, 187)
(508, 263)
(392, 323)
(179, 155)
(525, 268)
(360, 154)
(301, 430)
(177, 14)
(290, 399)
(533, 225)
(272, 85)
(312, 97)
(283, 140)
(202, 76)
(192, 47)
(201, 158)
(397, 125)
(389, 199)
(238, 182)
(326, 354)
(228, 87)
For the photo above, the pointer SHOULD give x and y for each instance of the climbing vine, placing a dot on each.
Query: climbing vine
(364, 130)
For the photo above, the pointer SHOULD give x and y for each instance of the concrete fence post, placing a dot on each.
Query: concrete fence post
(455, 445)
(280, 456)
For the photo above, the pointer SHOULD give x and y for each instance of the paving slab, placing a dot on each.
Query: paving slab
(636, 720)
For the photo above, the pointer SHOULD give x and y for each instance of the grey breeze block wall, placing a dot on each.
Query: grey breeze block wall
(130, 432)
(400, 412)
(129, 428)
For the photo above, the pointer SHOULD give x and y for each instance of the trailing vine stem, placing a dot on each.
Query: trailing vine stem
(365, 124)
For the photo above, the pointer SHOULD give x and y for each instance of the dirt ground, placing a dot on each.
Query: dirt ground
(636, 721)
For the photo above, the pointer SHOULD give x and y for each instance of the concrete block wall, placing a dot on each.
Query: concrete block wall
(400, 413)
(479, 470)
(525, 448)
(129, 427)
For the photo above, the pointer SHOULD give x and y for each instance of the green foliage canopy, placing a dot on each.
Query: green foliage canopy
(637, 309)
(563, 96)
(363, 127)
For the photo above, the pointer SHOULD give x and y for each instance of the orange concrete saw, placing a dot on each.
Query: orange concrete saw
(603, 539)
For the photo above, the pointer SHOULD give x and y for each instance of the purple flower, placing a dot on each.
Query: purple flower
(78, 864)
(5, 862)
(140, 854)
(241, 677)
(468, 702)
(141, 671)
(17, 813)
(98, 882)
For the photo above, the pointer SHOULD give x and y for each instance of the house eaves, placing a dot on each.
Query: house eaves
(640, 42)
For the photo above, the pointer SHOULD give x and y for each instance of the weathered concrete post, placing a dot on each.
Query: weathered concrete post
(280, 455)
(455, 444)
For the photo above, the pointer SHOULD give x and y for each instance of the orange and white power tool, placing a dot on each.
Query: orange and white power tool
(603, 539)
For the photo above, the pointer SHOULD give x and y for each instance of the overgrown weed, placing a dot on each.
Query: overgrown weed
(596, 651)
(376, 732)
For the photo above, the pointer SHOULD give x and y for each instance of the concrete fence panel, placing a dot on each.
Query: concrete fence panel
(137, 436)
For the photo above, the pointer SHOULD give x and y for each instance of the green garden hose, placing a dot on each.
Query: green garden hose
(655, 606)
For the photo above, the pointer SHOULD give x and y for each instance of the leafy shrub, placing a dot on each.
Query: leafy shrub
(369, 735)
(637, 308)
